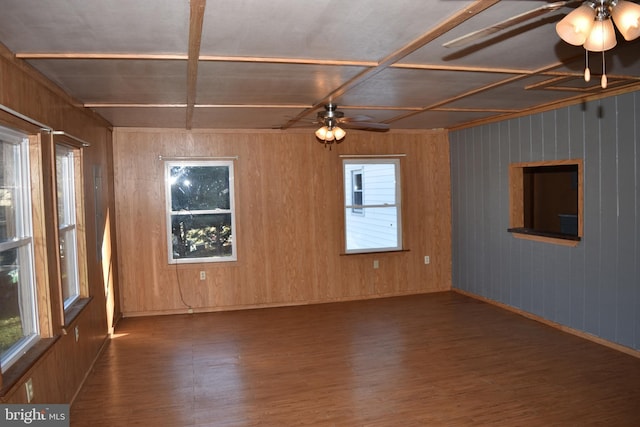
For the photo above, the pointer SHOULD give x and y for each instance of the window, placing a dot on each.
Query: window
(376, 225)
(67, 226)
(200, 211)
(18, 311)
(357, 192)
(546, 200)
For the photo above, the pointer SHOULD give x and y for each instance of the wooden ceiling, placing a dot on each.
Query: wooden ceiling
(242, 64)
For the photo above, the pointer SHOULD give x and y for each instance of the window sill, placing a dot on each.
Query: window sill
(24, 364)
(73, 311)
(374, 252)
(552, 238)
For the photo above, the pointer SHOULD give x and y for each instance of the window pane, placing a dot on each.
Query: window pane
(377, 229)
(9, 196)
(68, 266)
(357, 181)
(202, 236)
(357, 198)
(64, 179)
(11, 330)
(200, 188)
(379, 182)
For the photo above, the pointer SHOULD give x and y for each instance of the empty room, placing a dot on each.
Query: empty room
(362, 213)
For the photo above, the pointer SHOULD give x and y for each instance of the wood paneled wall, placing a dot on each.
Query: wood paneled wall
(289, 221)
(594, 287)
(58, 375)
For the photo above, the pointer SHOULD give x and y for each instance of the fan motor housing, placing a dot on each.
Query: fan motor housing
(330, 115)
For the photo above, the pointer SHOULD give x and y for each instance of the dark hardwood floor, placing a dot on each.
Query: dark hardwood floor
(428, 360)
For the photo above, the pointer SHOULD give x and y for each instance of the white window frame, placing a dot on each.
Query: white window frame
(170, 213)
(67, 223)
(348, 206)
(24, 243)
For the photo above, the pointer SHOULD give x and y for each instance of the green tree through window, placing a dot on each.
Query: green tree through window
(200, 211)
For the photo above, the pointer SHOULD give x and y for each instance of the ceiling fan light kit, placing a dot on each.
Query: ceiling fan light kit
(330, 132)
(327, 135)
(591, 25)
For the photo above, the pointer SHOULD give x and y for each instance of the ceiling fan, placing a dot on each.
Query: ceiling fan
(330, 118)
(510, 22)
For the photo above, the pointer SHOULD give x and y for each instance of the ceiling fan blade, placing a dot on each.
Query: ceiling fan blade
(514, 20)
(360, 118)
(366, 126)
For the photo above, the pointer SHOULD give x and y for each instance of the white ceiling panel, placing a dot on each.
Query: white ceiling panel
(242, 118)
(516, 96)
(439, 119)
(118, 81)
(166, 117)
(116, 26)
(365, 30)
(416, 88)
(264, 83)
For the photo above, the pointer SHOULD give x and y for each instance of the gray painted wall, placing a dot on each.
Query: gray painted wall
(594, 287)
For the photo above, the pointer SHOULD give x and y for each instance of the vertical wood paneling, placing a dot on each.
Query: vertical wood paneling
(492, 204)
(561, 274)
(289, 221)
(550, 287)
(549, 142)
(58, 375)
(608, 218)
(627, 255)
(576, 131)
(464, 233)
(537, 284)
(514, 257)
(466, 174)
(592, 229)
(455, 206)
(562, 133)
(483, 192)
(537, 137)
(636, 104)
(504, 268)
(594, 287)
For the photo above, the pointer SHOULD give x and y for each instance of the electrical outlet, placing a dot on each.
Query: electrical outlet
(29, 388)
(376, 264)
(203, 275)
(427, 260)
(76, 331)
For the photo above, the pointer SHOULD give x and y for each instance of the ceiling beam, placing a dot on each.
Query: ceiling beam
(96, 55)
(273, 60)
(461, 16)
(195, 37)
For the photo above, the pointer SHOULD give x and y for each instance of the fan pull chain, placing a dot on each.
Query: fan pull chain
(603, 80)
(587, 72)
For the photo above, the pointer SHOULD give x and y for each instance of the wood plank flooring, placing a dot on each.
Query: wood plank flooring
(428, 360)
